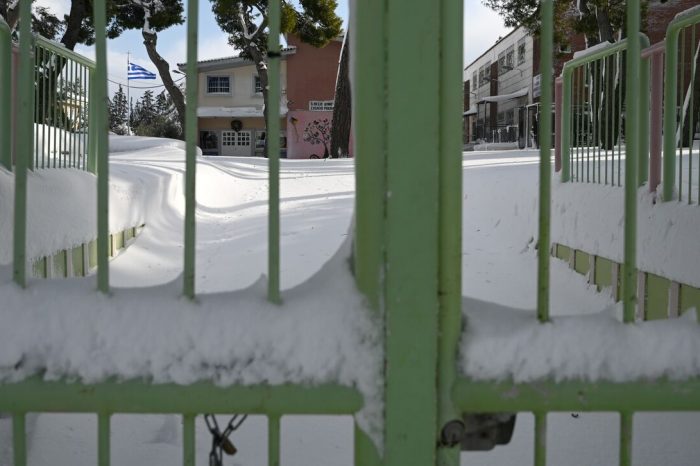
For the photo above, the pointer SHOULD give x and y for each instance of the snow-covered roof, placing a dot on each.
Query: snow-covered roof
(471, 111)
(505, 97)
(230, 61)
(235, 112)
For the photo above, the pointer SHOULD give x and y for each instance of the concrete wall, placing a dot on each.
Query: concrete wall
(242, 87)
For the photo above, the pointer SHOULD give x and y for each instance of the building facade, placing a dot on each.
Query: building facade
(230, 112)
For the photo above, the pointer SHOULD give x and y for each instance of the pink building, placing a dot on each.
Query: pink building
(230, 112)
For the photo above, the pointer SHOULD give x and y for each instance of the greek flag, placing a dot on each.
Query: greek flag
(138, 72)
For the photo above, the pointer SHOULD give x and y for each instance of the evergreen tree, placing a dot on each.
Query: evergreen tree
(314, 21)
(118, 112)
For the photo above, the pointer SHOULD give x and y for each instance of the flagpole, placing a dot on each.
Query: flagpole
(128, 96)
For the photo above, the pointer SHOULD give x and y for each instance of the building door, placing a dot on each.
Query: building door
(236, 143)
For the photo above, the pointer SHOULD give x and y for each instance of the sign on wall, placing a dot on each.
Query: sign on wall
(536, 85)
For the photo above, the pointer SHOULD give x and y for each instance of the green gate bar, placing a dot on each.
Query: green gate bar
(101, 124)
(24, 152)
(272, 139)
(192, 90)
(5, 95)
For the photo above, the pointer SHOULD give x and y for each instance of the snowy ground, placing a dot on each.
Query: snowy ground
(499, 269)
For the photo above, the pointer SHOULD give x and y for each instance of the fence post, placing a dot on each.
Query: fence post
(5, 95)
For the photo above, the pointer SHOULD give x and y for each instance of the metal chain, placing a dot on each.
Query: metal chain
(220, 442)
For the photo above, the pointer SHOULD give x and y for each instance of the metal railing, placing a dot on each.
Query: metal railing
(594, 108)
(61, 106)
(681, 167)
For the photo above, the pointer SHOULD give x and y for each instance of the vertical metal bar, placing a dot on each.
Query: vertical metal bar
(35, 89)
(92, 160)
(52, 108)
(450, 220)
(273, 153)
(540, 438)
(582, 134)
(644, 129)
(566, 126)
(656, 115)
(102, 145)
(71, 102)
(5, 95)
(103, 436)
(670, 98)
(557, 123)
(599, 109)
(546, 41)
(190, 149)
(369, 100)
(587, 121)
(626, 419)
(618, 123)
(19, 439)
(607, 108)
(273, 440)
(24, 152)
(188, 440)
(691, 126)
(366, 453)
(629, 279)
(574, 115)
(412, 302)
(44, 84)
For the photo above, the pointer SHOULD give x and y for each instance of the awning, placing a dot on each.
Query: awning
(234, 112)
(505, 97)
(471, 111)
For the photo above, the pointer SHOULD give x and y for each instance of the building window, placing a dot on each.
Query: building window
(521, 51)
(320, 105)
(257, 85)
(475, 84)
(218, 85)
(502, 63)
(487, 72)
(510, 58)
(209, 142)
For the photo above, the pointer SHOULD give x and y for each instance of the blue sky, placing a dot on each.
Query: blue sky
(482, 28)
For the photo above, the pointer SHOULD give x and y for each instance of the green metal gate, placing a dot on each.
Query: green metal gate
(407, 249)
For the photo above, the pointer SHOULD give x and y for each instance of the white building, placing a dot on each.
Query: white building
(499, 91)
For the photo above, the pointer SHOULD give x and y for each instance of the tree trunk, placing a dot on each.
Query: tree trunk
(78, 12)
(693, 106)
(163, 67)
(11, 15)
(261, 67)
(342, 108)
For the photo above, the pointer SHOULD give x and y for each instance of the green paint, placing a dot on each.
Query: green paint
(92, 254)
(690, 297)
(656, 297)
(119, 240)
(5, 95)
(368, 97)
(671, 95)
(60, 268)
(19, 439)
(39, 268)
(366, 453)
(100, 121)
(23, 153)
(412, 262)
(36, 395)
(582, 263)
(188, 285)
(644, 122)
(103, 439)
(273, 153)
(577, 395)
(603, 272)
(626, 421)
(273, 440)
(188, 440)
(563, 252)
(546, 42)
(540, 438)
(77, 258)
(450, 219)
